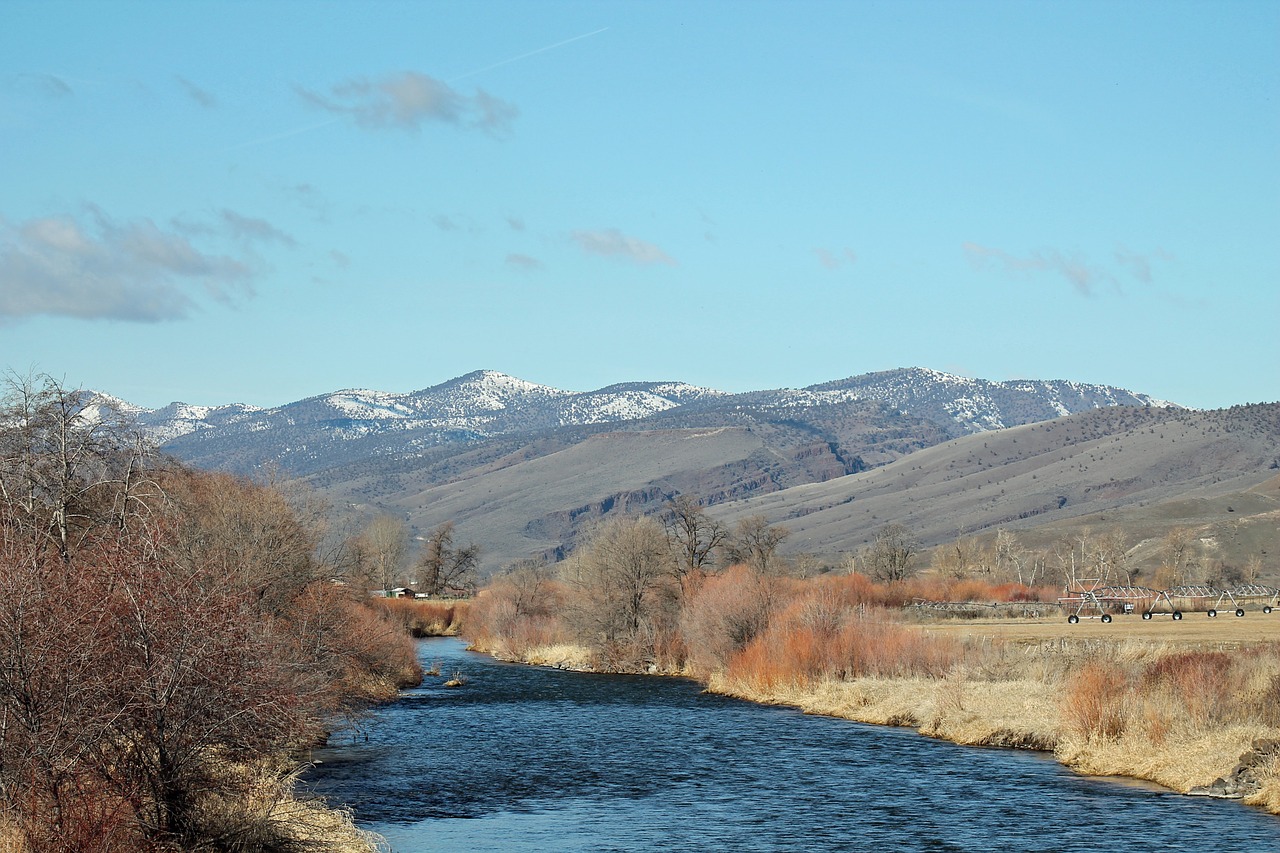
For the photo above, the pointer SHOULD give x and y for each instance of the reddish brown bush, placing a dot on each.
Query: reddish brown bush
(817, 635)
(724, 614)
(423, 617)
(519, 611)
(1095, 701)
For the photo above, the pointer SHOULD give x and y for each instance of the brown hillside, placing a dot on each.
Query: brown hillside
(1148, 469)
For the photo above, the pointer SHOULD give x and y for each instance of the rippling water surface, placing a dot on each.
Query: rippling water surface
(524, 759)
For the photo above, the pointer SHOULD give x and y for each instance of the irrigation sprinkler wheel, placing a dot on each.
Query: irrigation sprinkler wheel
(1239, 611)
(1072, 619)
(1212, 613)
(1267, 609)
(1106, 618)
(1177, 615)
(1146, 614)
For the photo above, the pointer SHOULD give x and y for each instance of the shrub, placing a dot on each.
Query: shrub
(424, 618)
(1095, 701)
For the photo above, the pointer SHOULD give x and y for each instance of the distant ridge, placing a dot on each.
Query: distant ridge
(312, 433)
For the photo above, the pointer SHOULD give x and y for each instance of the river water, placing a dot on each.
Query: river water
(533, 759)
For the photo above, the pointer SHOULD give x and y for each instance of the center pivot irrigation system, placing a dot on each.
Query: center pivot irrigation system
(1089, 599)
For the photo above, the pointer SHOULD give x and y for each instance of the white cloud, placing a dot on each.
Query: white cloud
(107, 269)
(613, 243)
(409, 99)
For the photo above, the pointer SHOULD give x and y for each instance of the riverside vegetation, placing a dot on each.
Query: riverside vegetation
(170, 644)
(1199, 717)
(172, 641)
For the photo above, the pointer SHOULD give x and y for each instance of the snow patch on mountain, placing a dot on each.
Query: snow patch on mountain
(487, 403)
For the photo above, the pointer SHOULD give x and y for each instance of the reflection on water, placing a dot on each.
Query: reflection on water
(525, 759)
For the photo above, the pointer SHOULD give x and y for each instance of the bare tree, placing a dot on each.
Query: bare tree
(1178, 557)
(1011, 560)
(694, 536)
(382, 549)
(958, 559)
(1110, 554)
(61, 460)
(247, 532)
(623, 588)
(443, 568)
(144, 698)
(755, 543)
(891, 556)
(1252, 569)
(530, 586)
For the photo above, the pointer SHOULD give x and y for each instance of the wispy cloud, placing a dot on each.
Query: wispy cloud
(252, 229)
(49, 85)
(833, 260)
(1138, 264)
(1083, 275)
(105, 269)
(523, 262)
(408, 100)
(203, 97)
(515, 223)
(613, 243)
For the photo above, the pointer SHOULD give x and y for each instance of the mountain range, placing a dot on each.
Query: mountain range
(319, 432)
(522, 468)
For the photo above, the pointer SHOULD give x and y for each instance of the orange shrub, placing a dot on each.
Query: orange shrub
(1196, 679)
(1095, 700)
(422, 617)
(723, 614)
(820, 636)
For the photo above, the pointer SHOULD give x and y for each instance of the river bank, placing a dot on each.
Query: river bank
(1053, 698)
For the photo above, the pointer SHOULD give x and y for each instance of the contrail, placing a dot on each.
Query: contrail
(284, 135)
(526, 55)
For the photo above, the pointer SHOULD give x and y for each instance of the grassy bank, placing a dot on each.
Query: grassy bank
(1183, 719)
(1192, 704)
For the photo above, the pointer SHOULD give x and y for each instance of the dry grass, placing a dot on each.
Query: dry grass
(10, 838)
(330, 829)
(1195, 629)
(561, 656)
(558, 655)
(1268, 797)
(268, 817)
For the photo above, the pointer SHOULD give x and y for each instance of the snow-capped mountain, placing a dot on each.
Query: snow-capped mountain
(317, 432)
(978, 405)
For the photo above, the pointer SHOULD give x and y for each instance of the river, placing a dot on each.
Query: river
(532, 759)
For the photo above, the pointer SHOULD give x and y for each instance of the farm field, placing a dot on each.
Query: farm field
(1194, 630)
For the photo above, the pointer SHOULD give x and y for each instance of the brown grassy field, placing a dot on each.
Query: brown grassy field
(1194, 630)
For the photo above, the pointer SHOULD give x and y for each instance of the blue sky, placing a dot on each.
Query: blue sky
(258, 202)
